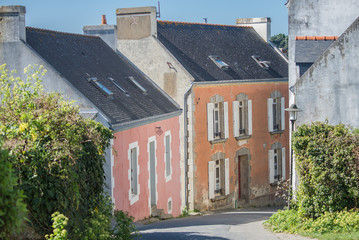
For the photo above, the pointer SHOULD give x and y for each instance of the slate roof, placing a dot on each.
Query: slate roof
(309, 49)
(193, 43)
(78, 57)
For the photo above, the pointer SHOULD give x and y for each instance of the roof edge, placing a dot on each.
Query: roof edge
(62, 33)
(241, 81)
(117, 127)
(205, 24)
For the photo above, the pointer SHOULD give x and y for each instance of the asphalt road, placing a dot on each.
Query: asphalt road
(242, 224)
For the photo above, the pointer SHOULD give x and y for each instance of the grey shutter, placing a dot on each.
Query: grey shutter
(226, 175)
(249, 117)
(271, 165)
(235, 118)
(168, 155)
(211, 179)
(282, 119)
(225, 112)
(270, 114)
(283, 163)
(210, 107)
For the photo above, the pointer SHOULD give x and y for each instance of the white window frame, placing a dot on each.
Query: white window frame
(271, 103)
(152, 139)
(211, 121)
(271, 160)
(246, 118)
(168, 156)
(133, 197)
(169, 202)
(212, 166)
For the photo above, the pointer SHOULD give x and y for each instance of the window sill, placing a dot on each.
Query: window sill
(243, 137)
(277, 132)
(218, 141)
(218, 198)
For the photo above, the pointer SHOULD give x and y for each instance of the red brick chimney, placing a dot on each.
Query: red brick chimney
(103, 22)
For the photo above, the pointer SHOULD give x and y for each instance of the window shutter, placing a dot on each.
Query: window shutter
(168, 155)
(249, 117)
(210, 107)
(283, 163)
(271, 166)
(235, 118)
(225, 108)
(282, 119)
(226, 175)
(211, 179)
(270, 114)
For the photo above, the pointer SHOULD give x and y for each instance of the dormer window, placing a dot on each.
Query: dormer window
(263, 64)
(218, 62)
(98, 84)
(144, 91)
(118, 86)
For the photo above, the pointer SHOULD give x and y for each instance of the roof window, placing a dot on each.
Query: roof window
(100, 86)
(138, 85)
(218, 62)
(263, 64)
(118, 86)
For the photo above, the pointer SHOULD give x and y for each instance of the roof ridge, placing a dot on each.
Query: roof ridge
(62, 33)
(316, 38)
(207, 24)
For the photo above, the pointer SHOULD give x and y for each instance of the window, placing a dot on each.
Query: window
(118, 86)
(99, 85)
(219, 63)
(260, 62)
(242, 116)
(139, 86)
(217, 118)
(168, 156)
(133, 172)
(276, 121)
(169, 205)
(276, 163)
(218, 176)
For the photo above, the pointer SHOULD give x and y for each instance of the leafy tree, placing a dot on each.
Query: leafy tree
(327, 159)
(58, 155)
(280, 40)
(12, 208)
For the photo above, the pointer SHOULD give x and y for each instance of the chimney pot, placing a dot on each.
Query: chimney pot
(104, 20)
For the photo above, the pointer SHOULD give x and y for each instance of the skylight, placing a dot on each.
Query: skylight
(101, 86)
(118, 86)
(138, 85)
(218, 62)
(263, 64)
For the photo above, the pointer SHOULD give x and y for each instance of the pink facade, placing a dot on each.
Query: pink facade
(142, 145)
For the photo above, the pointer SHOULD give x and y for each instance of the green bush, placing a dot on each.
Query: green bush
(12, 208)
(327, 161)
(59, 224)
(58, 155)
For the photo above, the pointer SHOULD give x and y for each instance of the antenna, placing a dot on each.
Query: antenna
(158, 14)
(205, 20)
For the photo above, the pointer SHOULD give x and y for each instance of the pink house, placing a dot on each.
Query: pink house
(146, 169)
(143, 163)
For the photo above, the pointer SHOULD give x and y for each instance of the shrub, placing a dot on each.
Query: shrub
(59, 224)
(12, 208)
(58, 155)
(328, 167)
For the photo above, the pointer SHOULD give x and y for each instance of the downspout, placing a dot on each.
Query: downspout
(185, 98)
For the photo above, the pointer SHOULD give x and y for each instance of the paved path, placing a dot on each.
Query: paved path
(242, 224)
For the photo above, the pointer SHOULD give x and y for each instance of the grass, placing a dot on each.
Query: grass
(332, 236)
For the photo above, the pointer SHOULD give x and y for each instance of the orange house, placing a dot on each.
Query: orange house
(242, 152)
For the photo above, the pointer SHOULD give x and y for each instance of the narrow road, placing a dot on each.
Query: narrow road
(242, 224)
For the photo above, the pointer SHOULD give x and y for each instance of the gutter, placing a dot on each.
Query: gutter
(185, 98)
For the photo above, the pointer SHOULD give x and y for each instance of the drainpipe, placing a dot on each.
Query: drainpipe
(185, 98)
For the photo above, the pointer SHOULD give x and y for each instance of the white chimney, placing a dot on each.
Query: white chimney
(136, 23)
(261, 25)
(12, 23)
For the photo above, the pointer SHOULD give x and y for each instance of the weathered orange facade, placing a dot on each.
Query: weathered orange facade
(254, 187)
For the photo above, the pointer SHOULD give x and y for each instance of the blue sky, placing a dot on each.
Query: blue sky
(71, 16)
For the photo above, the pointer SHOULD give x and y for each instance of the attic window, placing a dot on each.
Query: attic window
(263, 64)
(138, 85)
(218, 62)
(100, 85)
(118, 86)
